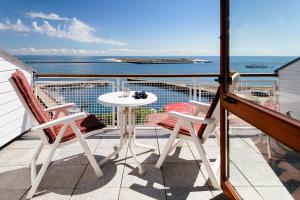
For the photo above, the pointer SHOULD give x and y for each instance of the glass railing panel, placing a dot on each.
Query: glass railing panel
(259, 167)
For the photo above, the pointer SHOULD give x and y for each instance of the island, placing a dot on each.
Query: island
(132, 60)
(160, 60)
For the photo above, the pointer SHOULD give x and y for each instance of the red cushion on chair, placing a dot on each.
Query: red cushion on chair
(33, 104)
(88, 124)
(170, 122)
(85, 125)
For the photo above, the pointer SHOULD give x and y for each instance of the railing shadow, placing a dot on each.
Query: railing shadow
(187, 186)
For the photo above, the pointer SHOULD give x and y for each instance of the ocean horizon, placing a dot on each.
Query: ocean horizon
(98, 65)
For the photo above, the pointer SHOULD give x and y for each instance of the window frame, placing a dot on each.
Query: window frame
(270, 122)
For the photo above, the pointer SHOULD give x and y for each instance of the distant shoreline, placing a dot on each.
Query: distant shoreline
(133, 61)
(160, 60)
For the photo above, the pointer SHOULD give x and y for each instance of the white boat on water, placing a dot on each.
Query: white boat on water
(202, 61)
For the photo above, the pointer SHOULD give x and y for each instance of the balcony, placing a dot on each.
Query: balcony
(183, 175)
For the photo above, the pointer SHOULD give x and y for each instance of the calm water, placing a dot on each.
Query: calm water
(85, 98)
(236, 62)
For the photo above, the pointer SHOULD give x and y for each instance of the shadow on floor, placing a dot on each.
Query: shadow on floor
(179, 179)
(63, 175)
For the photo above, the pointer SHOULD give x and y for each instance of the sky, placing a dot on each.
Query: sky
(147, 27)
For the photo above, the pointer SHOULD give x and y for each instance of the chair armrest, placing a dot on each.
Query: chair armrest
(199, 104)
(60, 107)
(191, 118)
(61, 120)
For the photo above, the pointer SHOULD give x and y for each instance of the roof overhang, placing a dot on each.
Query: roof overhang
(10, 58)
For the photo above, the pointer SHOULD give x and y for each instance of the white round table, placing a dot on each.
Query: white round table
(126, 107)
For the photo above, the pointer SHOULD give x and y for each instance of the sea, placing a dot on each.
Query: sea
(103, 64)
(86, 97)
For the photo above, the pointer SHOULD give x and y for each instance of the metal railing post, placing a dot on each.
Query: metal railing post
(195, 89)
(113, 108)
(118, 88)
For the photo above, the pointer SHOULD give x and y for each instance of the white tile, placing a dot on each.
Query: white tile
(102, 152)
(236, 177)
(53, 194)
(140, 193)
(11, 194)
(180, 154)
(274, 193)
(70, 156)
(151, 178)
(100, 193)
(112, 177)
(184, 174)
(259, 174)
(144, 155)
(24, 144)
(248, 193)
(19, 157)
(62, 176)
(15, 177)
(194, 193)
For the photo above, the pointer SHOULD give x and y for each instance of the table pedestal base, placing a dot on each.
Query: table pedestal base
(127, 134)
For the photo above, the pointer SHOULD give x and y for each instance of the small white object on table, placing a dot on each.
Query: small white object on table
(126, 105)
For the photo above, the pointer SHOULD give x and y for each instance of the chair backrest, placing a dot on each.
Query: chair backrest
(31, 103)
(214, 110)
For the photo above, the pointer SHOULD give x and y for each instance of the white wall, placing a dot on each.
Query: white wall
(289, 89)
(13, 118)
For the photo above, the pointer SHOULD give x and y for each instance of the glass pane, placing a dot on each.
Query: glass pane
(259, 166)
(264, 38)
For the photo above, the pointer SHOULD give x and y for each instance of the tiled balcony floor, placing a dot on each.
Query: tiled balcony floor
(71, 177)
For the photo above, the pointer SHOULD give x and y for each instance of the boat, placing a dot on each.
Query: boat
(256, 66)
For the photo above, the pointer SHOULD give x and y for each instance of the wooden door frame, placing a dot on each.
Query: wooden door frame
(264, 119)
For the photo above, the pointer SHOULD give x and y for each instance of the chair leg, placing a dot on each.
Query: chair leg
(36, 154)
(205, 160)
(168, 146)
(91, 158)
(87, 150)
(207, 165)
(32, 164)
(179, 143)
(46, 164)
(41, 173)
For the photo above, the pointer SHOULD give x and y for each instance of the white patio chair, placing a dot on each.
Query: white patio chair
(56, 132)
(196, 129)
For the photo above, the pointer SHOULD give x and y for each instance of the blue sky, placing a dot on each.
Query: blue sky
(144, 27)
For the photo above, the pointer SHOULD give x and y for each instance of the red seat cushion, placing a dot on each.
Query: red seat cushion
(33, 104)
(88, 124)
(85, 125)
(170, 122)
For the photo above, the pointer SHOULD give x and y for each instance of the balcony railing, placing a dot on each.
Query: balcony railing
(173, 92)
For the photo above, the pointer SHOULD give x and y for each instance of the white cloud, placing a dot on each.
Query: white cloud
(71, 29)
(34, 51)
(17, 27)
(164, 52)
(113, 52)
(41, 15)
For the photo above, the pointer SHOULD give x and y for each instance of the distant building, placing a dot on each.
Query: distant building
(13, 118)
(289, 88)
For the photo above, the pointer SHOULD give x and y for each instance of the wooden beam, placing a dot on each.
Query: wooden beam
(279, 126)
